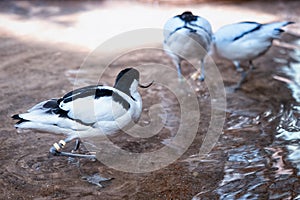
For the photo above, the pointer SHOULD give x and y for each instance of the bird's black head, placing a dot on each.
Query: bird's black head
(128, 78)
(188, 16)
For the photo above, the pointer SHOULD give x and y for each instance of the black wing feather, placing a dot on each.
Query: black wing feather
(80, 93)
(257, 27)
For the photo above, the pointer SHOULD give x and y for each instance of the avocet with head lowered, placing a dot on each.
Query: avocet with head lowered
(87, 112)
(187, 36)
(245, 41)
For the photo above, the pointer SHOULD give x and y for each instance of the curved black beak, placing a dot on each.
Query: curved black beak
(146, 86)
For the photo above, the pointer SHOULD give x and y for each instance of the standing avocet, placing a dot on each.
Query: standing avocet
(87, 112)
(187, 36)
(245, 41)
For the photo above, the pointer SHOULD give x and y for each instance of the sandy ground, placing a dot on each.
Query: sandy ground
(35, 65)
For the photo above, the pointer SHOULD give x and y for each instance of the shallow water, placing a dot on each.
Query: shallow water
(259, 145)
(262, 146)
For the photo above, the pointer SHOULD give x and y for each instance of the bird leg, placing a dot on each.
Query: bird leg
(238, 85)
(77, 145)
(178, 66)
(57, 147)
(237, 66)
(199, 74)
(202, 76)
(244, 75)
(251, 66)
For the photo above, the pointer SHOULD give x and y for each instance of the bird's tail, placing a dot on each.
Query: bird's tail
(38, 116)
(47, 117)
(276, 28)
(20, 119)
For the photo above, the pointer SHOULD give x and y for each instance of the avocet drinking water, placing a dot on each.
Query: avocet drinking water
(187, 36)
(87, 112)
(245, 41)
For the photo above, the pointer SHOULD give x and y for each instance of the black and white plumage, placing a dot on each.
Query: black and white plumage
(187, 36)
(245, 41)
(87, 112)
